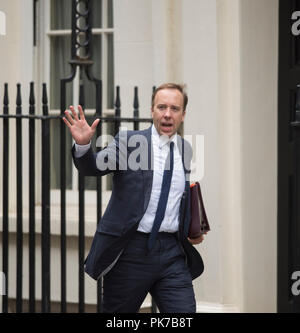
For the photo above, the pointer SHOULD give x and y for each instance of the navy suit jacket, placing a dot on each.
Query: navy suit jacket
(130, 197)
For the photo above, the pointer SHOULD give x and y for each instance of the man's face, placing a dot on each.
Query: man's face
(167, 111)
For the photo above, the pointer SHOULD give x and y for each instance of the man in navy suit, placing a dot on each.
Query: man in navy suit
(141, 243)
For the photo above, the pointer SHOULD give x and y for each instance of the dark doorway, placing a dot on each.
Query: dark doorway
(288, 158)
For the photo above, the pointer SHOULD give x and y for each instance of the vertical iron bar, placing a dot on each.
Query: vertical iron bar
(5, 236)
(98, 85)
(19, 151)
(45, 205)
(136, 109)
(34, 21)
(31, 201)
(81, 219)
(99, 185)
(63, 238)
(117, 110)
(63, 246)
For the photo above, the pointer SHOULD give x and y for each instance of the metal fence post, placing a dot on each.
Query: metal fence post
(45, 205)
(5, 199)
(32, 257)
(19, 153)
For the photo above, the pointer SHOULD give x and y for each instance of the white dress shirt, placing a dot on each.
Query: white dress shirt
(160, 152)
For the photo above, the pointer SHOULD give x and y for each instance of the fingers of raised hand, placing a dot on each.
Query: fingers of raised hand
(68, 115)
(74, 113)
(73, 116)
(66, 122)
(95, 124)
(81, 113)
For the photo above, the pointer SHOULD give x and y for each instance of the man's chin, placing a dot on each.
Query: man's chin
(169, 132)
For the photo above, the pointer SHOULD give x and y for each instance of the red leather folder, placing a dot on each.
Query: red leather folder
(199, 224)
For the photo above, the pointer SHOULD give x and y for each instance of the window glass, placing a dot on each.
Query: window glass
(60, 53)
(61, 17)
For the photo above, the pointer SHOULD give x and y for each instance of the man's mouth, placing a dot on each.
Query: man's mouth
(166, 125)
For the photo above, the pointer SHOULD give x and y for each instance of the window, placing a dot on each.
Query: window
(59, 50)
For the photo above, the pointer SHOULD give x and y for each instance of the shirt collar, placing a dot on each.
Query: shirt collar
(163, 139)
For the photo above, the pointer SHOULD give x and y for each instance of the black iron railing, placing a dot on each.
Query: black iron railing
(44, 155)
(81, 61)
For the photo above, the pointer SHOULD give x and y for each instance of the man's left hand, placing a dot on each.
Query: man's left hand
(197, 240)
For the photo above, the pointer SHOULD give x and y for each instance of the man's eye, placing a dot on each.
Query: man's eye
(161, 107)
(172, 108)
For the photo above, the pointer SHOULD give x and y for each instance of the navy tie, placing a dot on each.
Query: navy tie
(163, 199)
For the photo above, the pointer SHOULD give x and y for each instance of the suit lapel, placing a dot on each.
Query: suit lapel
(185, 201)
(184, 152)
(148, 174)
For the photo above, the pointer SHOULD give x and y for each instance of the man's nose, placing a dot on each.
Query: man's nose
(168, 112)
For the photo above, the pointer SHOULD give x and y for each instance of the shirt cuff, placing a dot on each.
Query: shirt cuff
(80, 150)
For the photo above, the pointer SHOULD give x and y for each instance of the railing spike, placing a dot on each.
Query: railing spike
(18, 99)
(5, 97)
(136, 109)
(31, 94)
(136, 98)
(45, 100)
(118, 101)
(117, 110)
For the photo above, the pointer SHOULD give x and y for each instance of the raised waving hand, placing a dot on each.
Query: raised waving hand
(80, 130)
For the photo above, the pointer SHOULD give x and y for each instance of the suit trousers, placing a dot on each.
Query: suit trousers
(162, 272)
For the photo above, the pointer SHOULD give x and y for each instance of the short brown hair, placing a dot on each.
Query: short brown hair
(179, 87)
